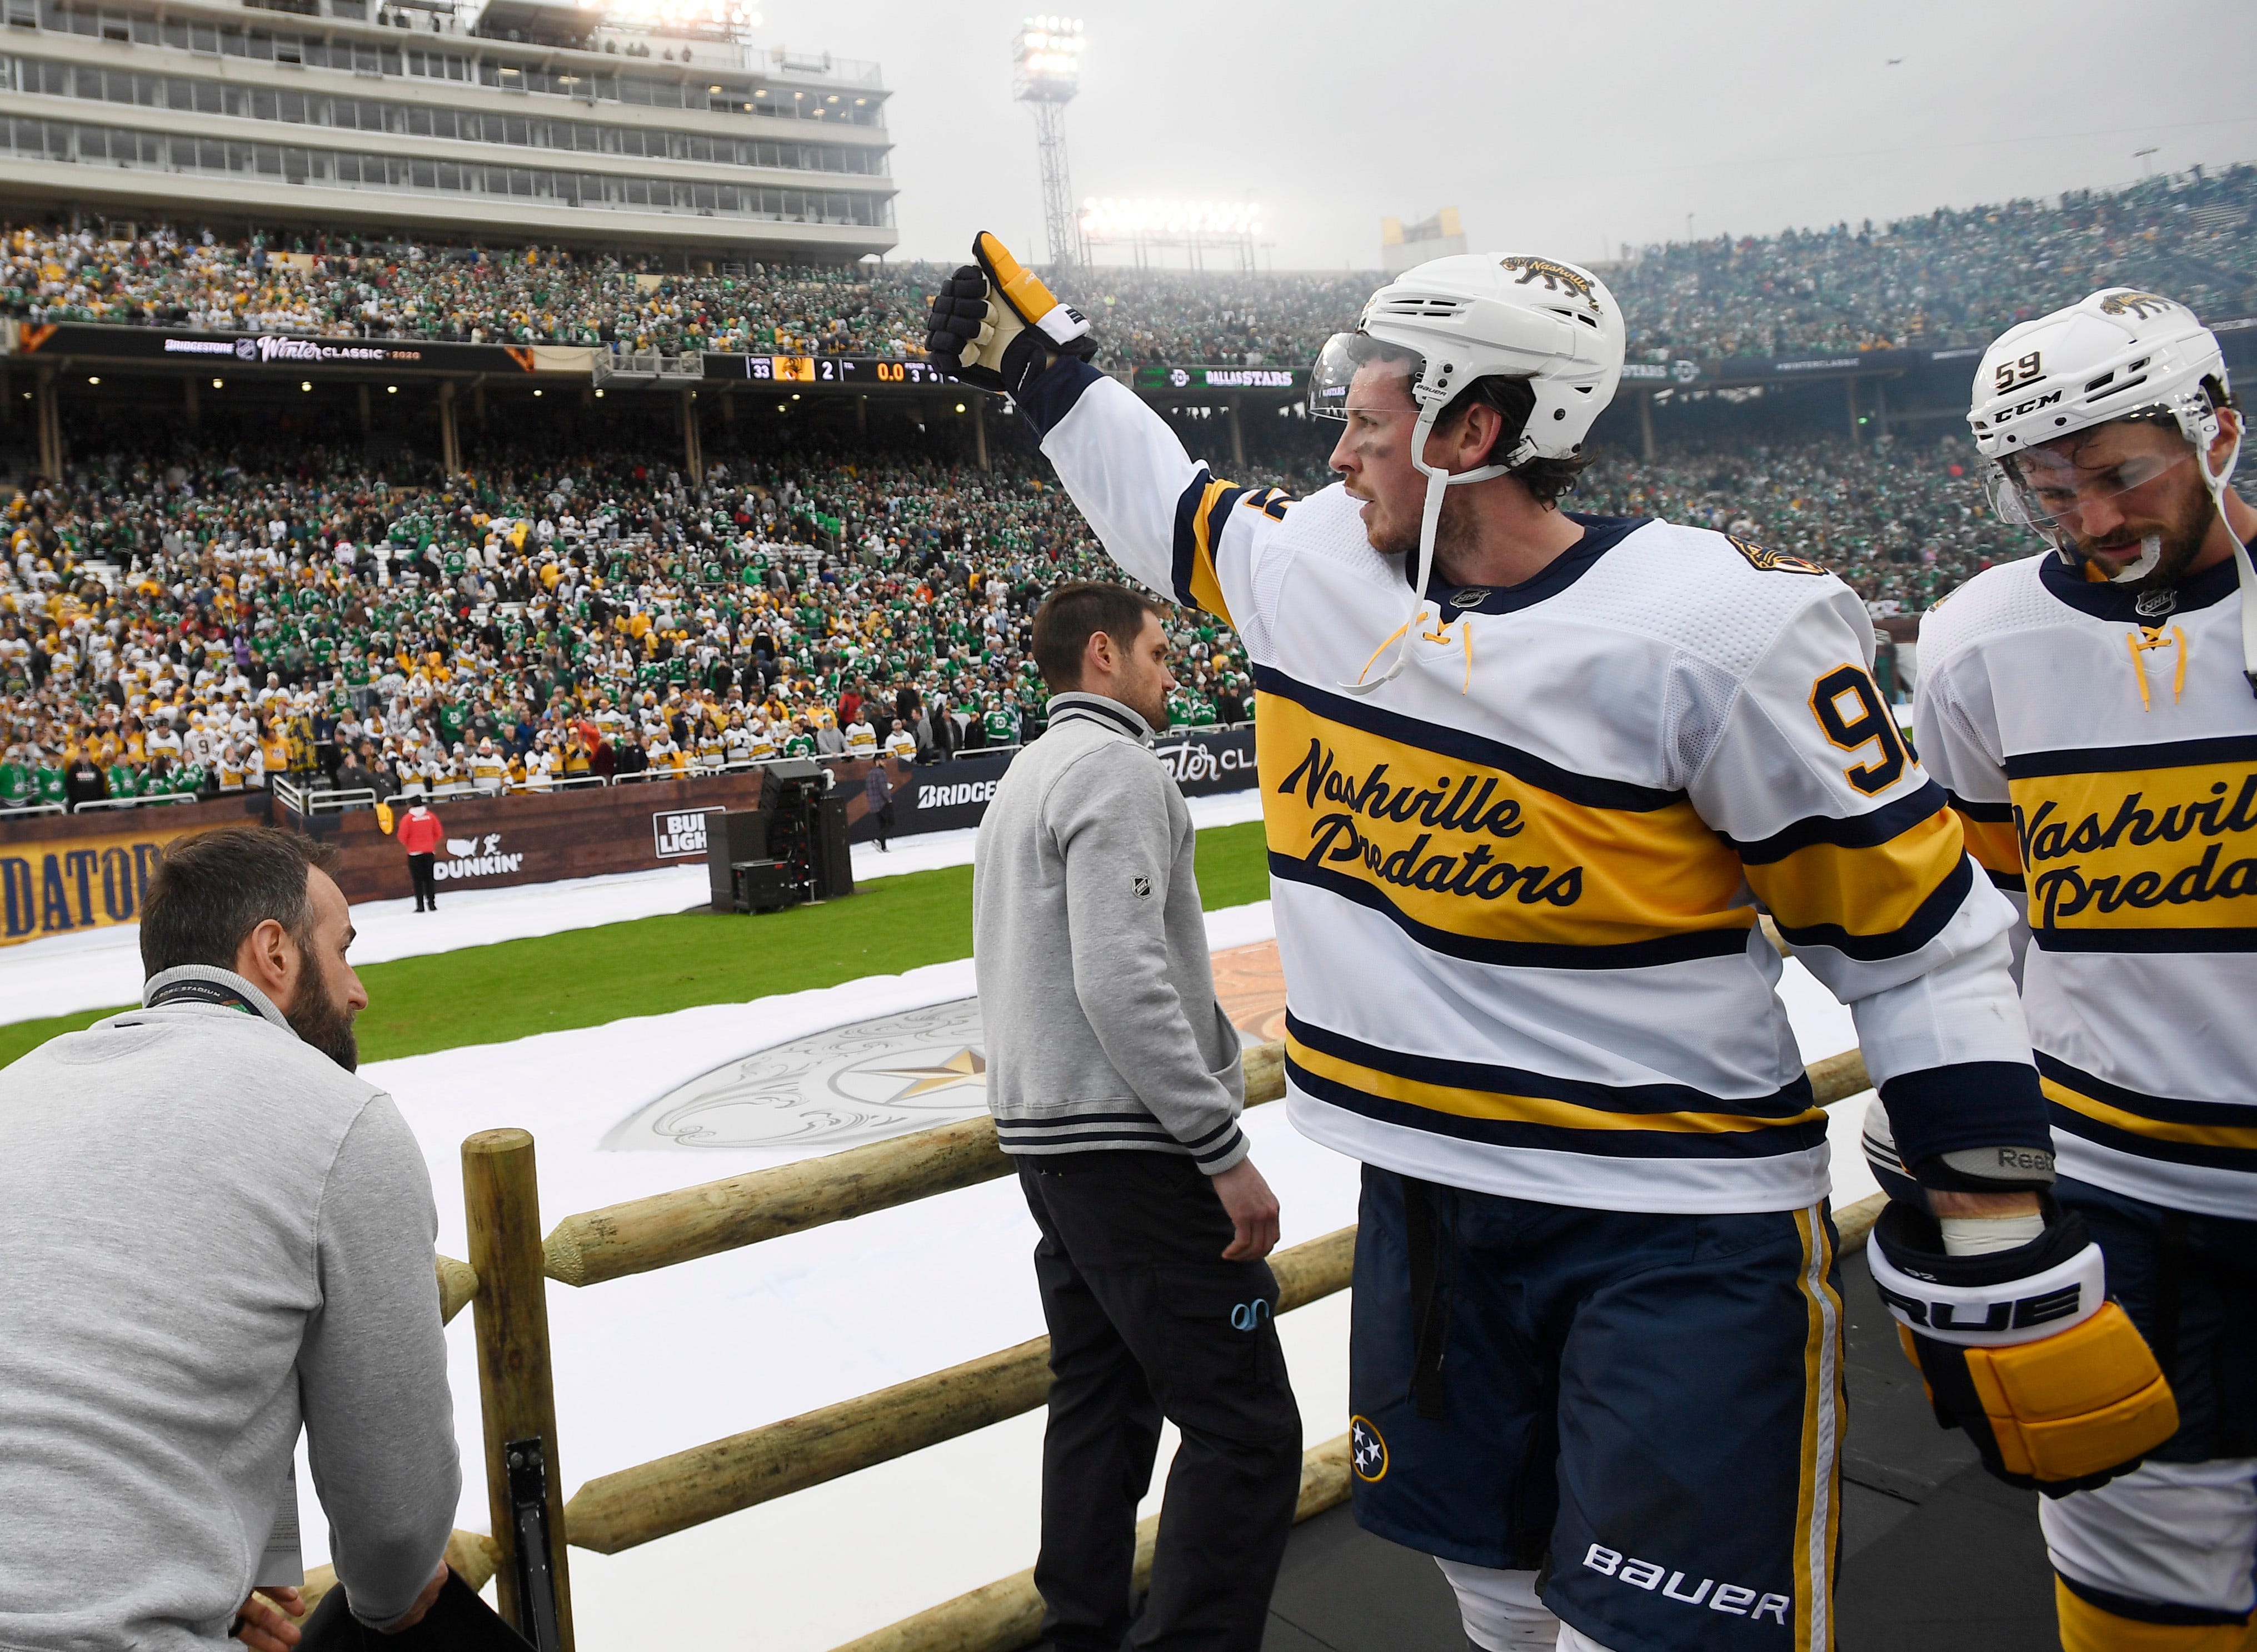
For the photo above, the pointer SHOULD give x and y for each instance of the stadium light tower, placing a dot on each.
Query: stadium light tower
(1046, 63)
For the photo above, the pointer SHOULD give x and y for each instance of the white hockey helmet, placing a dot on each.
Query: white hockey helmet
(2122, 353)
(1452, 322)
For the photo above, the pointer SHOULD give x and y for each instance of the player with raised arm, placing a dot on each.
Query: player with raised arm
(2091, 712)
(1528, 776)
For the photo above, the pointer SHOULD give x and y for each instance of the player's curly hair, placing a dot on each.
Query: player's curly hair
(1549, 480)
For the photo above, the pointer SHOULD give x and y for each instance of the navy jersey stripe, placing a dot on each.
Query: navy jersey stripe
(1858, 831)
(1185, 559)
(2144, 941)
(1997, 814)
(1789, 1102)
(1053, 395)
(1926, 923)
(1536, 955)
(1609, 1144)
(2069, 1121)
(1587, 790)
(2163, 1109)
(2115, 760)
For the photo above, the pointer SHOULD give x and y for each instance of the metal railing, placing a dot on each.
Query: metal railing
(645, 367)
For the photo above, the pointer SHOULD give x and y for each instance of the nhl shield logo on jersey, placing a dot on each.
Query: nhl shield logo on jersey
(1366, 1451)
(1557, 277)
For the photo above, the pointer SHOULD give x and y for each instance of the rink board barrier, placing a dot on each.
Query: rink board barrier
(511, 1263)
(61, 873)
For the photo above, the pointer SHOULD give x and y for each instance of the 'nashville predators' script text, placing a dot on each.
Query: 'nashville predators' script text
(1466, 808)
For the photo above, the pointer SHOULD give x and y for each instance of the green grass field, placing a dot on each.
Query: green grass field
(488, 994)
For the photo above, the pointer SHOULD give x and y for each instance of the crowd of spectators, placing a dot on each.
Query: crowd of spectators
(1951, 278)
(179, 618)
(195, 621)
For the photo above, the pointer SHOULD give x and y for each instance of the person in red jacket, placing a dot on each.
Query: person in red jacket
(421, 834)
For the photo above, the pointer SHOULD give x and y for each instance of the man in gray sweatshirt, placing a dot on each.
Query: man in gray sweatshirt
(1115, 1079)
(212, 1234)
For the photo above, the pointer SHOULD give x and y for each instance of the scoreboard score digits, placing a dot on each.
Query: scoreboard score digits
(847, 372)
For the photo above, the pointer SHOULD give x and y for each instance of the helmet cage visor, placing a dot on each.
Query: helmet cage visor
(2046, 490)
(1333, 393)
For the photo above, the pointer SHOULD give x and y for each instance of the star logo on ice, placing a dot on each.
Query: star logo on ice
(1367, 1451)
(967, 1066)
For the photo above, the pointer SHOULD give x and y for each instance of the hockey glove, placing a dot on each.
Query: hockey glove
(993, 324)
(2022, 1350)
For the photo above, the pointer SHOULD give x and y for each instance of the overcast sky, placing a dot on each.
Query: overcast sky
(1560, 128)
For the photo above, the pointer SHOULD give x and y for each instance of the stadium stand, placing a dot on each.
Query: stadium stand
(198, 620)
(1951, 278)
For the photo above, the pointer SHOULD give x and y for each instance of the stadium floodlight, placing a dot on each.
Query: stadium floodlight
(1115, 219)
(1150, 223)
(1046, 64)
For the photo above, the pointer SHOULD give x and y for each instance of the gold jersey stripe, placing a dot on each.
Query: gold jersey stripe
(2243, 1136)
(1870, 891)
(1536, 1110)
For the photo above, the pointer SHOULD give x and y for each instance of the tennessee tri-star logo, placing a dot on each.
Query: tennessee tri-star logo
(1367, 1451)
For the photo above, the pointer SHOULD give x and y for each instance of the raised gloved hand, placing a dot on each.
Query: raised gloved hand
(993, 324)
(2022, 1350)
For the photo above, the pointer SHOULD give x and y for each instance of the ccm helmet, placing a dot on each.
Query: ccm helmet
(1458, 320)
(2121, 353)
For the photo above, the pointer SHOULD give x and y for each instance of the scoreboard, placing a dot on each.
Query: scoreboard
(869, 375)
(832, 373)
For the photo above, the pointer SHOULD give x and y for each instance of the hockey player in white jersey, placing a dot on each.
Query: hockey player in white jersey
(2093, 712)
(1528, 777)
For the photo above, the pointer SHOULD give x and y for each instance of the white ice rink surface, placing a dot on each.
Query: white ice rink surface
(97, 968)
(658, 1362)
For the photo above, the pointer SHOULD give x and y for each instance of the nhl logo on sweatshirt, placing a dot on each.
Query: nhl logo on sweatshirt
(1140, 886)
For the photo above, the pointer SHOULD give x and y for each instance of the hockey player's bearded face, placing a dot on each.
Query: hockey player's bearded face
(2105, 491)
(1373, 456)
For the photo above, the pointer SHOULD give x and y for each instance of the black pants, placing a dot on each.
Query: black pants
(1146, 1321)
(426, 888)
(884, 816)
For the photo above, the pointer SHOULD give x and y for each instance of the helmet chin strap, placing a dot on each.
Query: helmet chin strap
(2245, 572)
(1430, 517)
(2151, 551)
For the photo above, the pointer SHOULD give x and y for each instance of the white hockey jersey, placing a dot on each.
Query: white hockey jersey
(2104, 755)
(1516, 889)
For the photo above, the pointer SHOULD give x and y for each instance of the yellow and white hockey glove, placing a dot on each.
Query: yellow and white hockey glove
(994, 325)
(2023, 1350)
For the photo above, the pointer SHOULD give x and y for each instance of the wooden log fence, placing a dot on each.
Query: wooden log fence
(1008, 1615)
(673, 1494)
(504, 1276)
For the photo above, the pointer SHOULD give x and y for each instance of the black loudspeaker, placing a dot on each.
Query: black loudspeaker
(741, 835)
(763, 885)
(833, 862)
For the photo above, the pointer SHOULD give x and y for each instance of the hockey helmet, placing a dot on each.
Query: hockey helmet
(1446, 324)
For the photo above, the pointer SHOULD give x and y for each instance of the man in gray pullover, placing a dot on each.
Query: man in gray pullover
(1114, 1080)
(211, 1232)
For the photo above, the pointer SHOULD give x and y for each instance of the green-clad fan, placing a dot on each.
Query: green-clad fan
(19, 783)
(124, 778)
(1001, 724)
(800, 742)
(49, 779)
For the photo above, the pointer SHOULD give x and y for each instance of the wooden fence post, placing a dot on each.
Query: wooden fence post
(503, 1204)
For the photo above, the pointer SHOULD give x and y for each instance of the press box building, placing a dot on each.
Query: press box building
(519, 120)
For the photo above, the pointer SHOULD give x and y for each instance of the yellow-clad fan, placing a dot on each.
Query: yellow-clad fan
(2092, 711)
(1527, 774)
